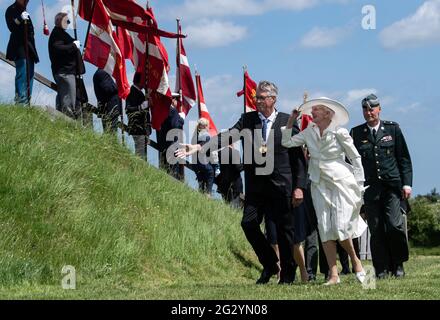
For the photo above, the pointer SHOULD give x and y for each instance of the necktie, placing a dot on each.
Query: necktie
(264, 129)
(374, 134)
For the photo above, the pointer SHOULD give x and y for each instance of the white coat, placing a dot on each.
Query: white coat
(337, 186)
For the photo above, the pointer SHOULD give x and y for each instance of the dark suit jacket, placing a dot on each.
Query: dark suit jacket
(289, 163)
(385, 159)
(138, 119)
(16, 48)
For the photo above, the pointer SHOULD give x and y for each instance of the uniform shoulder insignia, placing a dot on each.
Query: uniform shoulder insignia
(392, 123)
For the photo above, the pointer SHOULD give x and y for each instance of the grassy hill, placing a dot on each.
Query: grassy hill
(69, 196)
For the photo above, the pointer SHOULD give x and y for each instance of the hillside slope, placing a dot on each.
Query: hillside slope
(72, 197)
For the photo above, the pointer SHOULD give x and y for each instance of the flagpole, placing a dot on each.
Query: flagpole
(88, 27)
(305, 96)
(72, 3)
(179, 81)
(244, 88)
(197, 77)
(179, 78)
(146, 71)
(26, 52)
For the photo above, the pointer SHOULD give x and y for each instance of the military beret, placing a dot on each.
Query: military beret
(370, 101)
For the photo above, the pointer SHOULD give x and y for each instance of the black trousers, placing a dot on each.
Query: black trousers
(255, 208)
(389, 245)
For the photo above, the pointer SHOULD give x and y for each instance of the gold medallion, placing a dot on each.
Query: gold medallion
(263, 149)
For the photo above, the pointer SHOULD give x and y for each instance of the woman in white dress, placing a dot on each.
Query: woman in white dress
(337, 186)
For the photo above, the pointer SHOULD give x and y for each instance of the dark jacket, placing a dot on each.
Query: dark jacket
(230, 172)
(173, 121)
(16, 49)
(63, 53)
(138, 119)
(289, 163)
(106, 92)
(385, 159)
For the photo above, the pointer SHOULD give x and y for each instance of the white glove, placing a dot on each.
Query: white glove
(77, 44)
(217, 172)
(144, 105)
(25, 15)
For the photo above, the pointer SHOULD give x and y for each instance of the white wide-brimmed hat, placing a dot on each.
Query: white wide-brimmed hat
(341, 116)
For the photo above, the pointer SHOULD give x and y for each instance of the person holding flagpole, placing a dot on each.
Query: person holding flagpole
(63, 53)
(21, 49)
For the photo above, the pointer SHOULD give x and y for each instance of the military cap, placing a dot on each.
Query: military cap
(370, 101)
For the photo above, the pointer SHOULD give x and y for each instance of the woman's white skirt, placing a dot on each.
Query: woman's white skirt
(337, 205)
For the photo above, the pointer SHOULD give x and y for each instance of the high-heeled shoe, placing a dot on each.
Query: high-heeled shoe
(328, 283)
(360, 276)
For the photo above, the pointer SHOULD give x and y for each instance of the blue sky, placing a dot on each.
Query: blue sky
(318, 46)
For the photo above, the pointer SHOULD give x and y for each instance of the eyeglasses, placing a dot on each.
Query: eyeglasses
(262, 97)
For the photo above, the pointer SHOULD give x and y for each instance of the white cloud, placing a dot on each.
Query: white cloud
(416, 106)
(51, 11)
(323, 37)
(421, 28)
(208, 34)
(220, 8)
(221, 100)
(355, 96)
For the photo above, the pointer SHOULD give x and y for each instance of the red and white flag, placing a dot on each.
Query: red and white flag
(203, 110)
(156, 77)
(158, 83)
(184, 80)
(250, 92)
(103, 48)
(126, 14)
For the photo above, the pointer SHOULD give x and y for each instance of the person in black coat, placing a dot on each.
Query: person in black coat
(173, 121)
(388, 174)
(275, 177)
(19, 21)
(109, 103)
(138, 113)
(63, 54)
(229, 182)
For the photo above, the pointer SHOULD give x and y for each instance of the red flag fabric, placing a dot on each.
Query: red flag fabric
(250, 87)
(184, 80)
(203, 110)
(127, 14)
(157, 74)
(305, 120)
(103, 48)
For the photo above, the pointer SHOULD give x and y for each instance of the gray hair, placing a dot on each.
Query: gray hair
(268, 87)
(202, 123)
(59, 18)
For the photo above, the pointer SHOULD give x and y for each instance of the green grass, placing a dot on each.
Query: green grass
(72, 197)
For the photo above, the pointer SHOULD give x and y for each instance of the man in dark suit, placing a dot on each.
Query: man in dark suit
(109, 103)
(23, 54)
(138, 114)
(388, 173)
(173, 121)
(275, 177)
(63, 53)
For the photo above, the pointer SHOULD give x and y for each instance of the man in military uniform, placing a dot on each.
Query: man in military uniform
(388, 175)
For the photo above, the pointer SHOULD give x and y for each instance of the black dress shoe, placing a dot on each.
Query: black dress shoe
(286, 280)
(345, 271)
(398, 271)
(267, 274)
(382, 274)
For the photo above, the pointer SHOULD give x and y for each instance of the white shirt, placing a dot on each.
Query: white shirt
(270, 121)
